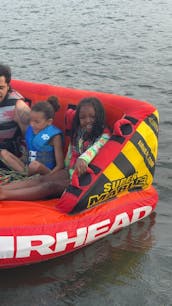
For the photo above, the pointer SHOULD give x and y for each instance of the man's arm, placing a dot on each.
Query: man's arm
(22, 115)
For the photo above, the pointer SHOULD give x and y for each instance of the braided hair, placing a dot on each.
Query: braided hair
(99, 123)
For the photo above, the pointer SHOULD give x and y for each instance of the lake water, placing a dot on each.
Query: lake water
(116, 46)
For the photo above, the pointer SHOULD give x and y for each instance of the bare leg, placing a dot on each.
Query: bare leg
(30, 193)
(45, 186)
(37, 167)
(31, 182)
(12, 161)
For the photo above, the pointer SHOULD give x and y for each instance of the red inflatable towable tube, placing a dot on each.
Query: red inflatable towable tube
(116, 191)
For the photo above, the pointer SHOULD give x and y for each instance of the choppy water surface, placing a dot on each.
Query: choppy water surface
(119, 46)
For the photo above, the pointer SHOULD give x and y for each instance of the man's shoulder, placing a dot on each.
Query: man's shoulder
(13, 94)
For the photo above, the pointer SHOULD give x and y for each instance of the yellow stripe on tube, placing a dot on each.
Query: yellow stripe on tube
(137, 160)
(112, 172)
(149, 137)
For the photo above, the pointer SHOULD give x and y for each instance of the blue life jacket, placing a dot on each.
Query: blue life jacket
(39, 147)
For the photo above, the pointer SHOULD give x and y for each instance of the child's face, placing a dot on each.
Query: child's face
(87, 117)
(38, 121)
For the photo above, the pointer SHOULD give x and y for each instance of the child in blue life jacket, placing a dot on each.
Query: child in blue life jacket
(43, 140)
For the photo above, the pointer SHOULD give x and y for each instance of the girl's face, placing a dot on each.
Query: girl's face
(38, 121)
(87, 117)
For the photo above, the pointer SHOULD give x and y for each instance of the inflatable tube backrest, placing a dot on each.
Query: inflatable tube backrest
(126, 163)
(70, 113)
